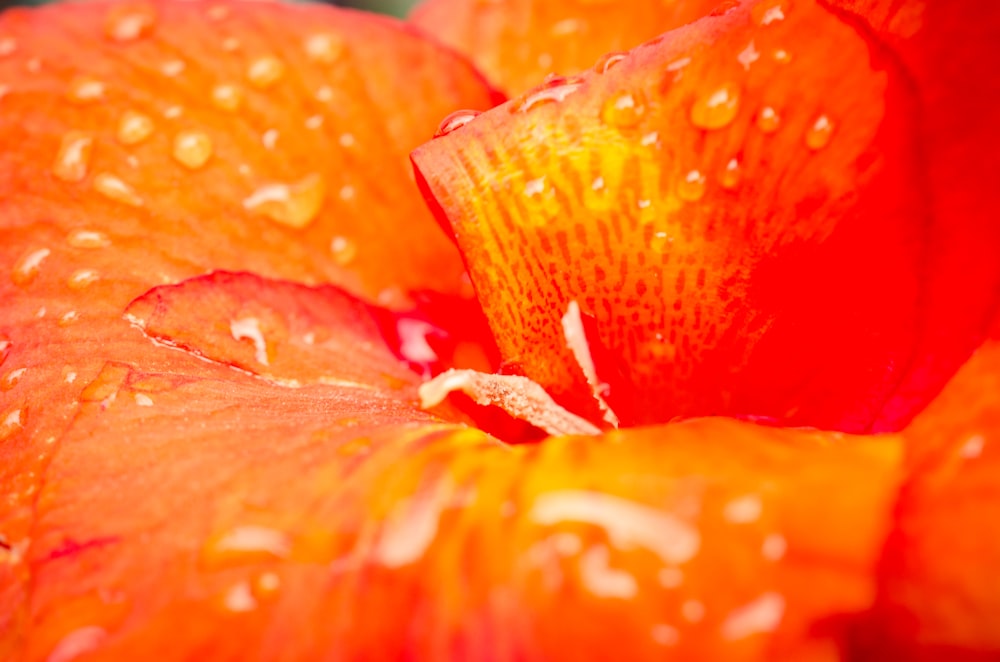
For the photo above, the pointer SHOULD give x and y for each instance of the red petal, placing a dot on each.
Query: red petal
(735, 204)
(200, 511)
(516, 43)
(240, 136)
(940, 597)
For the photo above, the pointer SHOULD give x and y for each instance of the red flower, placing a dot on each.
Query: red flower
(760, 244)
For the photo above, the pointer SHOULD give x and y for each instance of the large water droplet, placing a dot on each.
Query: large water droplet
(768, 120)
(455, 121)
(265, 71)
(73, 158)
(129, 21)
(324, 48)
(716, 109)
(84, 90)
(607, 61)
(624, 109)
(692, 187)
(134, 127)
(27, 268)
(228, 97)
(296, 205)
(553, 90)
(113, 188)
(819, 133)
(192, 149)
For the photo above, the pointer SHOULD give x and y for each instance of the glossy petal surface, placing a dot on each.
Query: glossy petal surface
(248, 478)
(734, 208)
(255, 136)
(516, 43)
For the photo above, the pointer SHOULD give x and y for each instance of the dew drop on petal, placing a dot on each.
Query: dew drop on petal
(624, 109)
(172, 68)
(192, 149)
(270, 138)
(716, 109)
(693, 611)
(296, 205)
(661, 241)
(239, 598)
(134, 127)
(248, 328)
(81, 278)
(819, 133)
(768, 120)
(343, 250)
(324, 48)
(27, 267)
(743, 510)
(774, 546)
(217, 12)
(665, 635)
(608, 61)
(455, 121)
(129, 21)
(265, 71)
(748, 56)
(88, 239)
(84, 90)
(245, 543)
(73, 158)
(768, 12)
(553, 90)
(760, 616)
(7, 46)
(781, 56)
(534, 187)
(11, 423)
(11, 379)
(113, 188)
(228, 97)
(731, 175)
(692, 187)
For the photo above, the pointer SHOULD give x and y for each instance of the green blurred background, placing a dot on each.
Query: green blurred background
(395, 7)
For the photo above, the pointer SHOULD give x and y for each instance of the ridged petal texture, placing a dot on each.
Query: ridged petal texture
(773, 213)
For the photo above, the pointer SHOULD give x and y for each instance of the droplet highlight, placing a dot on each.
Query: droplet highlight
(85, 90)
(608, 61)
(717, 109)
(73, 158)
(455, 121)
(228, 97)
(554, 90)
(819, 133)
(192, 149)
(134, 127)
(768, 120)
(113, 188)
(129, 21)
(265, 71)
(296, 205)
(692, 187)
(624, 109)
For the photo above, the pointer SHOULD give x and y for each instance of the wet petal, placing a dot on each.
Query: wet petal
(744, 231)
(199, 502)
(516, 43)
(252, 136)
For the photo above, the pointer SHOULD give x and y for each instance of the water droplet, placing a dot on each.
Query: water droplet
(314, 122)
(692, 187)
(265, 71)
(597, 184)
(230, 44)
(347, 192)
(11, 423)
(113, 188)
(27, 268)
(5, 346)
(324, 48)
(134, 127)
(267, 584)
(819, 134)
(346, 140)
(77, 643)
(661, 241)
(217, 12)
(270, 138)
(81, 278)
(670, 577)
(624, 109)
(781, 56)
(324, 94)
(239, 598)
(455, 121)
(173, 112)
(693, 611)
(84, 89)
(129, 21)
(553, 90)
(665, 635)
(7, 46)
(607, 61)
(748, 56)
(192, 149)
(246, 544)
(716, 109)
(143, 400)
(603, 580)
(650, 138)
(34, 65)
(567, 27)
(68, 318)
(11, 379)
(343, 250)
(743, 510)
(73, 157)
(172, 68)
(769, 11)
(768, 120)
(227, 96)
(774, 546)
(731, 175)
(760, 616)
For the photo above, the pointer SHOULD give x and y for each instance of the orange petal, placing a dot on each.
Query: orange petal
(516, 43)
(241, 135)
(734, 207)
(194, 509)
(940, 598)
